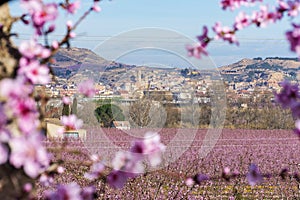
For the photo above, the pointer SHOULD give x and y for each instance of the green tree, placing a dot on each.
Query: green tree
(66, 110)
(108, 113)
(74, 106)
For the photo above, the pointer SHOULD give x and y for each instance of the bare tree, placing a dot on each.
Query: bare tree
(85, 111)
(146, 113)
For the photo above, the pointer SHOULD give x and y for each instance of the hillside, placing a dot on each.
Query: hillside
(272, 69)
(73, 61)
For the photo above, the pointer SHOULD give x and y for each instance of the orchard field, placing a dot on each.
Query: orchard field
(275, 152)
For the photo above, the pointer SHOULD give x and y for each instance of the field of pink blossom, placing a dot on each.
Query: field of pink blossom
(275, 153)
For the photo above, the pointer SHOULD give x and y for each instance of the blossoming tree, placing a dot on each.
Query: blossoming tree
(23, 157)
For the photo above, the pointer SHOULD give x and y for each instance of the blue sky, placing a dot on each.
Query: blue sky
(183, 17)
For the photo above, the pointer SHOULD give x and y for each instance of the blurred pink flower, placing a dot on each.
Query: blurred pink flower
(297, 127)
(69, 24)
(71, 122)
(189, 182)
(198, 49)
(96, 7)
(72, 34)
(225, 33)
(87, 88)
(95, 171)
(66, 100)
(46, 180)
(14, 89)
(65, 192)
(127, 161)
(233, 4)
(55, 44)
(27, 187)
(31, 49)
(293, 37)
(153, 148)
(35, 72)
(73, 7)
(48, 12)
(28, 152)
(293, 8)
(117, 179)
(32, 5)
(88, 193)
(263, 17)
(242, 21)
(288, 95)
(254, 177)
(226, 174)
(27, 115)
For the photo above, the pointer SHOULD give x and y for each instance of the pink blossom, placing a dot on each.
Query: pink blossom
(71, 191)
(40, 13)
(203, 39)
(288, 94)
(88, 193)
(32, 5)
(297, 127)
(27, 187)
(96, 7)
(35, 72)
(126, 161)
(25, 111)
(199, 48)
(50, 29)
(87, 88)
(29, 153)
(55, 44)
(293, 37)
(31, 49)
(69, 24)
(196, 50)
(294, 8)
(66, 100)
(120, 160)
(73, 7)
(150, 146)
(233, 4)
(95, 171)
(224, 33)
(241, 21)
(254, 177)
(282, 6)
(153, 148)
(48, 12)
(189, 182)
(14, 89)
(117, 179)
(46, 180)
(72, 35)
(60, 169)
(226, 173)
(71, 122)
(263, 17)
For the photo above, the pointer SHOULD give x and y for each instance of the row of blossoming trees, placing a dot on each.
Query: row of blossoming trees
(23, 157)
